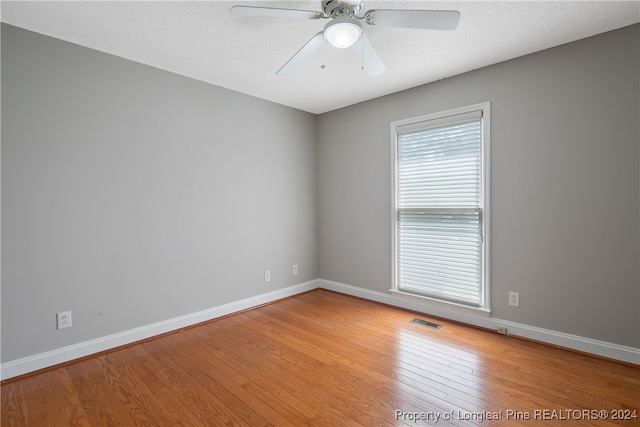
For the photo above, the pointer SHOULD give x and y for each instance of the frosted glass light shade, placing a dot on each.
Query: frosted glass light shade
(342, 34)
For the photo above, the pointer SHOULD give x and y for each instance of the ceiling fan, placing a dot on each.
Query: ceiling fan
(344, 28)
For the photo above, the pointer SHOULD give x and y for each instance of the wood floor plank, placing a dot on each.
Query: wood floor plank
(32, 403)
(263, 378)
(327, 359)
(160, 391)
(131, 393)
(385, 374)
(69, 398)
(356, 367)
(249, 393)
(201, 373)
(299, 366)
(12, 403)
(100, 402)
(291, 380)
(54, 409)
(186, 389)
(361, 377)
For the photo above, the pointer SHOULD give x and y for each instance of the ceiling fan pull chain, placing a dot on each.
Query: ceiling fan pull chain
(362, 52)
(322, 66)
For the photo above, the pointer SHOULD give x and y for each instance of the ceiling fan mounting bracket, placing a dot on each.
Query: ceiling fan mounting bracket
(341, 8)
(368, 17)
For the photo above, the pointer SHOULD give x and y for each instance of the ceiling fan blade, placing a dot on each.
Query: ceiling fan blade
(275, 12)
(421, 19)
(302, 54)
(368, 57)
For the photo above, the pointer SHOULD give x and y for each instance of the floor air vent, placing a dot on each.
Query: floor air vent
(425, 323)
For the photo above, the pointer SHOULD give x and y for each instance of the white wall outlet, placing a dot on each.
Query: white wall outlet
(267, 275)
(295, 269)
(502, 330)
(514, 299)
(63, 320)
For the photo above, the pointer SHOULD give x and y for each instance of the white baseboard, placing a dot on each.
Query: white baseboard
(65, 354)
(575, 342)
(47, 359)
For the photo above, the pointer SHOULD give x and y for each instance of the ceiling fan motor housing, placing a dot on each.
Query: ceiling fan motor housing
(337, 8)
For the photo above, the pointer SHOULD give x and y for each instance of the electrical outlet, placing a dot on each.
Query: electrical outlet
(514, 299)
(63, 320)
(267, 275)
(295, 269)
(502, 330)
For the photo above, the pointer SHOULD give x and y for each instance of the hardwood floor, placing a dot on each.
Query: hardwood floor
(326, 359)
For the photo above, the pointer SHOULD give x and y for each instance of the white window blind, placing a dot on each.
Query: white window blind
(439, 207)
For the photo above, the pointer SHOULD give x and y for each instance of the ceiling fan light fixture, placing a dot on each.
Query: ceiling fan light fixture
(342, 33)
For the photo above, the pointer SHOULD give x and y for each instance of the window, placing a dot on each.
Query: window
(441, 205)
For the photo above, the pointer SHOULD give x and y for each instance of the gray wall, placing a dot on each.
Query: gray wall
(565, 185)
(131, 195)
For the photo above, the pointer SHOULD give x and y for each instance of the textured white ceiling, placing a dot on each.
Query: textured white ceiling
(204, 41)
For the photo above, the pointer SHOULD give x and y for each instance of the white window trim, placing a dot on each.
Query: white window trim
(484, 197)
